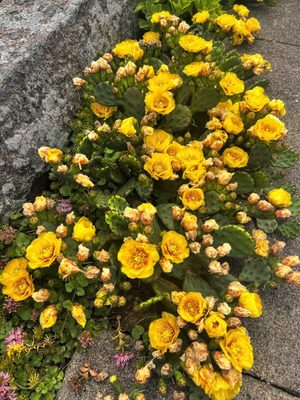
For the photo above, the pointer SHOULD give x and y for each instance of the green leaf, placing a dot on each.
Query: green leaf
(259, 156)
(212, 202)
(22, 240)
(164, 211)
(261, 179)
(178, 120)
(117, 203)
(295, 207)
(137, 332)
(134, 103)
(204, 99)
(65, 190)
(241, 242)
(86, 147)
(105, 95)
(290, 229)
(286, 159)
(267, 225)
(244, 180)
(256, 270)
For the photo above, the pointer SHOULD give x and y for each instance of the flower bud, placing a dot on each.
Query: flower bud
(221, 360)
(235, 289)
(40, 203)
(180, 322)
(109, 287)
(176, 297)
(195, 247)
(282, 270)
(283, 213)
(241, 312)
(192, 334)
(48, 317)
(92, 272)
(183, 27)
(70, 218)
(123, 396)
(140, 396)
(82, 253)
(291, 261)
(211, 252)
(80, 160)
(166, 369)
(224, 177)
(102, 256)
(242, 218)
(191, 235)
(207, 240)
(121, 301)
(28, 209)
(293, 278)
(62, 169)
(189, 222)
(258, 234)
(233, 322)
(210, 225)
(177, 213)
(224, 308)
(278, 247)
(176, 346)
(67, 268)
(41, 295)
(165, 265)
(40, 229)
(83, 180)
(224, 250)
(61, 231)
(143, 374)
(132, 214)
(79, 82)
(264, 205)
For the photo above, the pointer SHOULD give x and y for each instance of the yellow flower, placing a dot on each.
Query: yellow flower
(233, 124)
(193, 198)
(43, 251)
(174, 247)
(235, 157)
(195, 44)
(238, 349)
(232, 84)
(40, 203)
(197, 68)
(262, 247)
(16, 280)
(77, 312)
(50, 155)
(164, 81)
(128, 48)
(159, 166)
(102, 111)
(151, 37)
(156, 17)
(221, 389)
(215, 325)
(159, 140)
(241, 10)
(251, 302)
(48, 317)
(194, 172)
(280, 198)
(277, 108)
(256, 99)
(127, 127)
(84, 230)
(225, 21)
(147, 208)
(253, 25)
(200, 17)
(137, 259)
(189, 156)
(268, 128)
(163, 332)
(192, 307)
(83, 180)
(160, 102)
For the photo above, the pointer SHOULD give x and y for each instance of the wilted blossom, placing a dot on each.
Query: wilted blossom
(85, 339)
(15, 336)
(10, 305)
(7, 234)
(6, 393)
(122, 359)
(64, 206)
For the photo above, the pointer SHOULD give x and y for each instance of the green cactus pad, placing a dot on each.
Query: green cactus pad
(242, 244)
(212, 202)
(164, 211)
(286, 159)
(295, 207)
(117, 223)
(101, 200)
(184, 93)
(244, 180)
(178, 120)
(267, 225)
(104, 93)
(129, 164)
(261, 179)
(134, 103)
(290, 229)
(86, 147)
(194, 283)
(117, 203)
(127, 188)
(230, 62)
(259, 156)
(204, 98)
(256, 270)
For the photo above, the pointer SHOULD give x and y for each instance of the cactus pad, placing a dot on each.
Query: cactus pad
(267, 225)
(256, 270)
(178, 120)
(134, 103)
(244, 180)
(286, 158)
(242, 244)
(117, 223)
(105, 95)
(290, 229)
(204, 98)
(117, 203)
(164, 211)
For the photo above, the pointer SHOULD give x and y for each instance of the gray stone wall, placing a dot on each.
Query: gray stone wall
(43, 45)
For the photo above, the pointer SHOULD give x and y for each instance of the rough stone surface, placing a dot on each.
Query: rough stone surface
(42, 46)
(101, 357)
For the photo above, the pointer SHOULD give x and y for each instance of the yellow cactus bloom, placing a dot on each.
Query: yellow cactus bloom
(163, 332)
(83, 180)
(189, 156)
(164, 81)
(225, 21)
(151, 37)
(192, 307)
(255, 62)
(128, 48)
(235, 157)
(238, 349)
(102, 111)
(159, 140)
(127, 127)
(16, 281)
(84, 230)
(277, 107)
(197, 68)
(194, 172)
(253, 25)
(215, 385)
(280, 198)
(156, 17)
(262, 247)
(251, 302)
(200, 17)
(147, 208)
(77, 312)
(137, 259)
(242, 11)
(232, 84)
(159, 166)
(193, 198)
(174, 247)
(161, 102)
(215, 325)
(43, 251)
(268, 128)
(233, 124)
(256, 99)
(195, 44)
(48, 317)
(50, 155)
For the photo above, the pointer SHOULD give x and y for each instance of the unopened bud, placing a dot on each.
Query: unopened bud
(264, 205)
(278, 247)
(210, 225)
(282, 270)
(293, 278)
(233, 322)
(283, 213)
(224, 308)
(61, 231)
(70, 218)
(195, 247)
(106, 275)
(253, 198)
(211, 252)
(241, 312)
(82, 253)
(235, 289)
(207, 240)
(291, 261)
(177, 213)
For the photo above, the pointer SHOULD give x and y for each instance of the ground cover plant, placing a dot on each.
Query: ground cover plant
(166, 209)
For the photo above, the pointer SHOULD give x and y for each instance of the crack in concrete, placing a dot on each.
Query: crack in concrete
(289, 391)
(277, 41)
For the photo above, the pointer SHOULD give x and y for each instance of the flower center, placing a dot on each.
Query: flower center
(192, 307)
(21, 286)
(167, 334)
(47, 251)
(138, 258)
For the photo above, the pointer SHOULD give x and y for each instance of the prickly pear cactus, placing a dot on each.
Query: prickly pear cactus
(241, 242)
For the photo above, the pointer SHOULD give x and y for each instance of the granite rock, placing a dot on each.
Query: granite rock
(43, 45)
